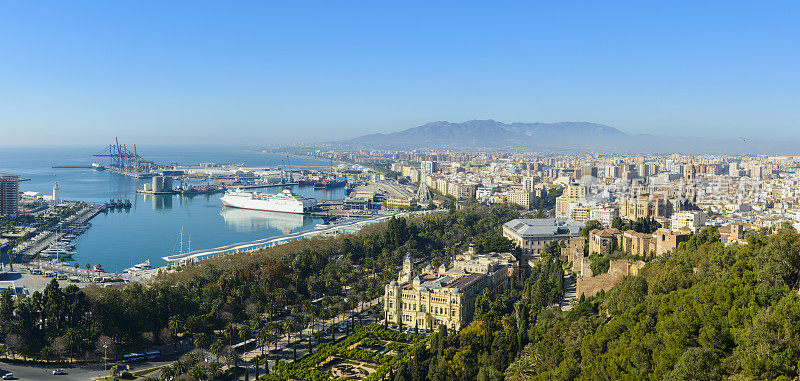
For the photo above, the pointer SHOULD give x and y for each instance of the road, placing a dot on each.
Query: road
(570, 292)
(77, 372)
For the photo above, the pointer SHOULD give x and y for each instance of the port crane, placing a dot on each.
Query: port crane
(124, 161)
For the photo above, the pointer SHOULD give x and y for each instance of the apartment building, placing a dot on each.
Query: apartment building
(692, 220)
(9, 194)
(604, 215)
(519, 197)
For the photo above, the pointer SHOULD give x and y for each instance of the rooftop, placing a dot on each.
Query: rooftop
(545, 227)
(464, 281)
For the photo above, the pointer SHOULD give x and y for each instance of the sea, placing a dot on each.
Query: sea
(157, 225)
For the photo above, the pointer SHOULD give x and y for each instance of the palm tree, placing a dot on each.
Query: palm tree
(262, 336)
(216, 349)
(197, 372)
(214, 370)
(201, 341)
(229, 333)
(244, 333)
(277, 331)
(167, 373)
(174, 325)
(179, 367)
(287, 329)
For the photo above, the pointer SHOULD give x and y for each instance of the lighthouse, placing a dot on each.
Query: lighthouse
(56, 194)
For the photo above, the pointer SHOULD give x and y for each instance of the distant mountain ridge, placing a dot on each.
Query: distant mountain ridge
(492, 134)
(559, 137)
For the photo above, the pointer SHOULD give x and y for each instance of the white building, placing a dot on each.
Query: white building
(693, 220)
(605, 215)
(56, 194)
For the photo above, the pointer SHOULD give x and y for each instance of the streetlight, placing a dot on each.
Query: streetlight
(105, 357)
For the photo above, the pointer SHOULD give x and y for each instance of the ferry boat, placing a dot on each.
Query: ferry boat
(284, 202)
(138, 267)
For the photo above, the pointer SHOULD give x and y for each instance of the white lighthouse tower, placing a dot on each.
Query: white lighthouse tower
(56, 194)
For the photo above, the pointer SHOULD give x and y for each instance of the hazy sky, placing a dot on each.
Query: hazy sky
(259, 72)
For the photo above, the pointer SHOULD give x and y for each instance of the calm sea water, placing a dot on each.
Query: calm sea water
(152, 227)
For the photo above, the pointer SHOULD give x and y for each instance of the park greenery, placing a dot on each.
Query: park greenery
(381, 349)
(639, 225)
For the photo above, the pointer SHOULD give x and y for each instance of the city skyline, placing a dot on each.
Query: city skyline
(281, 73)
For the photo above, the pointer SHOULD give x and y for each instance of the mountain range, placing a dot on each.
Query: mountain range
(561, 137)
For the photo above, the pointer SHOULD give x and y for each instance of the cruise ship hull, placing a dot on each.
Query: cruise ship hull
(260, 209)
(283, 202)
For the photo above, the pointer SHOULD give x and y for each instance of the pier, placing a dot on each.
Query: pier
(32, 248)
(242, 247)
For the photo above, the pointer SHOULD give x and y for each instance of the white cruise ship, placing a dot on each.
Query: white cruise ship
(284, 202)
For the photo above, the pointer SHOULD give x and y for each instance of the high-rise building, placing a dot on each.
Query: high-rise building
(427, 166)
(586, 170)
(527, 183)
(9, 194)
(572, 193)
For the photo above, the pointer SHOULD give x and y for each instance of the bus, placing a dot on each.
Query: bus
(152, 355)
(132, 357)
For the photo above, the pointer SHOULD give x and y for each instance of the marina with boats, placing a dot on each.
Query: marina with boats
(145, 221)
(57, 241)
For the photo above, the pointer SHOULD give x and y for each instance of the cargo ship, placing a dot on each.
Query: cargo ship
(323, 182)
(284, 202)
(330, 183)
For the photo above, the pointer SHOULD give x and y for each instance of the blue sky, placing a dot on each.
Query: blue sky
(276, 72)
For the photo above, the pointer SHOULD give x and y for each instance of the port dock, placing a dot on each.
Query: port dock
(243, 247)
(73, 224)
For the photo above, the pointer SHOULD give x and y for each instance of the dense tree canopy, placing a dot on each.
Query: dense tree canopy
(705, 312)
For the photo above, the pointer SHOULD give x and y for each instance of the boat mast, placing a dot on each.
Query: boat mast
(181, 247)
